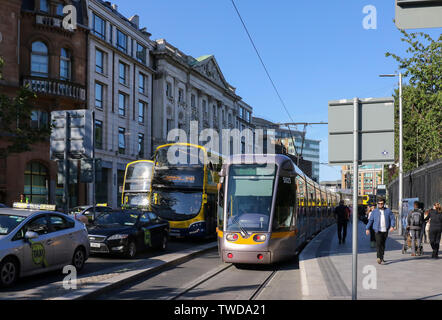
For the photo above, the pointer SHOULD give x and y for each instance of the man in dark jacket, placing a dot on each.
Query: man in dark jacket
(435, 228)
(415, 221)
(382, 219)
(342, 214)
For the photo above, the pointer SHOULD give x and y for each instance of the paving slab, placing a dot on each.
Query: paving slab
(326, 269)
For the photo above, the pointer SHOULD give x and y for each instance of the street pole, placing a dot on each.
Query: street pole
(93, 162)
(400, 155)
(66, 164)
(355, 197)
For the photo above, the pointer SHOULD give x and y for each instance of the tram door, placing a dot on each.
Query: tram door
(283, 215)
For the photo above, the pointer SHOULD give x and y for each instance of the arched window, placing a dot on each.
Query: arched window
(39, 59)
(36, 183)
(65, 65)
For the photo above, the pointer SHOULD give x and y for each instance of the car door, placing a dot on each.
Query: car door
(38, 253)
(62, 231)
(157, 228)
(145, 224)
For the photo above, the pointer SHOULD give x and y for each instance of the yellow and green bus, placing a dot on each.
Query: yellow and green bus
(184, 189)
(137, 184)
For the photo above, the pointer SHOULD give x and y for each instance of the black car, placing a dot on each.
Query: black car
(127, 232)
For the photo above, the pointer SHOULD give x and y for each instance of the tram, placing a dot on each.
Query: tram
(267, 208)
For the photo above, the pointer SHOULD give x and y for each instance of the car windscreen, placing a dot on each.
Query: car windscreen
(9, 223)
(116, 218)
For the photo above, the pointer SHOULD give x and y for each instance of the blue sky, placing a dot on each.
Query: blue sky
(315, 51)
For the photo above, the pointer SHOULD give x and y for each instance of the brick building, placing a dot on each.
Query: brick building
(38, 51)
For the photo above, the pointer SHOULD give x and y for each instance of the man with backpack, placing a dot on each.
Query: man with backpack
(415, 220)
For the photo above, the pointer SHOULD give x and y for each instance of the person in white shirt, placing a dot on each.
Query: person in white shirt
(382, 220)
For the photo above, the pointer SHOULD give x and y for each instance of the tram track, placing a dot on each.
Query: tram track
(216, 273)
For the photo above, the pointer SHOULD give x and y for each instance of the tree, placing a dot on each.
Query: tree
(421, 101)
(15, 122)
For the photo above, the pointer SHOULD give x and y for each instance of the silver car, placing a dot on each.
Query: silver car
(35, 241)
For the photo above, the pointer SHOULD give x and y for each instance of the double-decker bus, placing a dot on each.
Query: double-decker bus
(184, 188)
(137, 184)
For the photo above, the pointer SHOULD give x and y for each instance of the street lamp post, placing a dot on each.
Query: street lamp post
(400, 148)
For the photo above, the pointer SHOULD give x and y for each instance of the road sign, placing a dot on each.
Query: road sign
(375, 132)
(80, 134)
(414, 14)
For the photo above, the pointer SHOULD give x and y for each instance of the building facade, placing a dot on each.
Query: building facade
(41, 53)
(370, 176)
(293, 141)
(120, 87)
(193, 89)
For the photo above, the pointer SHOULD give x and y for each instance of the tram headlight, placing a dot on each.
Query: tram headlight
(259, 237)
(232, 237)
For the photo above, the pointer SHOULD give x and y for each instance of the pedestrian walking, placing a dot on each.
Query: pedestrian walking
(426, 228)
(372, 233)
(382, 220)
(342, 217)
(435, 228)
(415, 221)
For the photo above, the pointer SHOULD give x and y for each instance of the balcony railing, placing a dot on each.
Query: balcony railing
(55, 87)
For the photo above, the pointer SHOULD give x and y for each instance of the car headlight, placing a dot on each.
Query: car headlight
(118, 237)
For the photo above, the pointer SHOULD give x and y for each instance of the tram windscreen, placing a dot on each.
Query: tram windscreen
(249, 197)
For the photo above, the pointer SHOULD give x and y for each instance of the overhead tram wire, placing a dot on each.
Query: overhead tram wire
(268, 74)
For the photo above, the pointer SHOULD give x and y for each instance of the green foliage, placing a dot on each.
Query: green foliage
(421, 101)
(15, 122)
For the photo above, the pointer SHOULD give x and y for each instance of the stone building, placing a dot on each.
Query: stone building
(120, 86)
(51, 59)
(193, 89)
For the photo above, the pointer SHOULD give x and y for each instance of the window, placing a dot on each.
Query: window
(180, 95)
(98, 134)
(122, 104)
(99, 27)
(36, 183)
(65, 65)
(141, 145)
(142, 83)
(44, 6)
(39, 59)
(121, 140)
(141, 108)
(39, 119)
(123, 73)
(99, 61)
(38, 225)
(192, 100)
(59, 10)
(141, 53)
(168, 89)
(285, 204)
(60, 223)
(121, 41)
(99, 95)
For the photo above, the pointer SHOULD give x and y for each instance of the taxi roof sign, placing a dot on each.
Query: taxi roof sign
(33, 206)
(101, 205)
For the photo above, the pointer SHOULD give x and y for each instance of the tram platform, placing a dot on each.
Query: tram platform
(326, 269)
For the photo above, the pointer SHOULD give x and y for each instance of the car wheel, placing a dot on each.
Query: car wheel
(8, 272)
(78, 259)
(131, 250)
